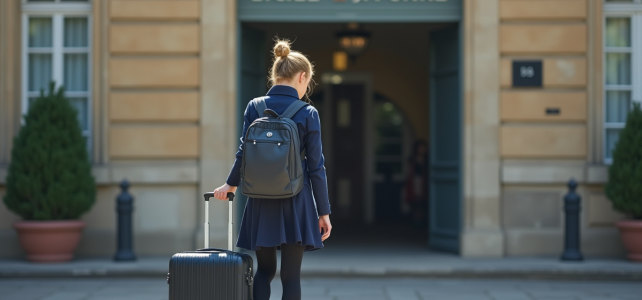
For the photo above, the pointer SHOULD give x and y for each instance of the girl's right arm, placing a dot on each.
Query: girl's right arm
(234, 178)
(316, 168)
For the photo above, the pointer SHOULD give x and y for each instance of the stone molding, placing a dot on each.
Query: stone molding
(147, 172)
(552, 172)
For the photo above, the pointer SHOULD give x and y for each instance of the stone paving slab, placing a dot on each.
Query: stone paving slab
(360, 263)
(334, 289)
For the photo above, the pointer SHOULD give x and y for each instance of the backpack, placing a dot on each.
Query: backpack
(271, 166)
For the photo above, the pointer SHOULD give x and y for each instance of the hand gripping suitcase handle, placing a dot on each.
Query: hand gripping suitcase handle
(230, 224)
(208, 195)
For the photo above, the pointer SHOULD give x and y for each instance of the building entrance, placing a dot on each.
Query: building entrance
(404, 89)
(347, 183)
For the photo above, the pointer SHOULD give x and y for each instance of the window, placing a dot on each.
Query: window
(622, 66)
(56, 46)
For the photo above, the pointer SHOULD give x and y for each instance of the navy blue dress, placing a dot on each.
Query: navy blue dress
(295, 220)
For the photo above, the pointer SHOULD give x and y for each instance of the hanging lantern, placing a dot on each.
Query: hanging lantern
(353, 40)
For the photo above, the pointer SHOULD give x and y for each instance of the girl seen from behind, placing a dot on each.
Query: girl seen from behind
(292, 225)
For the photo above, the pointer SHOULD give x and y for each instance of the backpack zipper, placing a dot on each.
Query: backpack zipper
(267, 142)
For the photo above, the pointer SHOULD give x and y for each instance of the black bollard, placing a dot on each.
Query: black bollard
(124, 208)
(572, 224)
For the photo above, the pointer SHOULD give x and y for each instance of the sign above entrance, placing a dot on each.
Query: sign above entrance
(349, 10)
(353, 1)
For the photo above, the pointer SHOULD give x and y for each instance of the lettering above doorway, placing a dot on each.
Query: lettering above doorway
(350, 1)
(349, 10)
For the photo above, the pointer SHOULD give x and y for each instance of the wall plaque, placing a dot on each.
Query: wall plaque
(527, 73)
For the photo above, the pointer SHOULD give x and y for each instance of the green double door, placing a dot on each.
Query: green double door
(445, 159)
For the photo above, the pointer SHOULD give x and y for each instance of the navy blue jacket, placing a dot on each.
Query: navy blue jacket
(309, 126)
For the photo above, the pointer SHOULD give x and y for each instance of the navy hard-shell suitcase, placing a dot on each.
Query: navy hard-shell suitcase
(211, 273)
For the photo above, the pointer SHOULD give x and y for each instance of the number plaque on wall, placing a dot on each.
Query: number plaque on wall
(527, 73)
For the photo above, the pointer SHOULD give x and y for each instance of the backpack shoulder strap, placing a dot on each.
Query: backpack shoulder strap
(293, 109)
(260, 106)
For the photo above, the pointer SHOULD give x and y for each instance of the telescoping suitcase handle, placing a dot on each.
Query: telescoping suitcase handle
(230, 224)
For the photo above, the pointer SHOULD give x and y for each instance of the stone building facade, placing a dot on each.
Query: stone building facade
(163, 98)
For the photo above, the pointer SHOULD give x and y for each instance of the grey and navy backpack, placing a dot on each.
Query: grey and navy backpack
(271, 167)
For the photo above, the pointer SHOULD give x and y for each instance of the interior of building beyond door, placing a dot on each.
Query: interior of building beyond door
(376, 122)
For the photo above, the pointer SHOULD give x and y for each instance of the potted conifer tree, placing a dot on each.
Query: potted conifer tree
(49, 180)
(624, 188)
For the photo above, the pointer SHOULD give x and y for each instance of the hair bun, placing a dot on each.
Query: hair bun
(282, 48)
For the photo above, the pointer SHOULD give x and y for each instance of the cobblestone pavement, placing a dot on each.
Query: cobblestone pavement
(335, 289)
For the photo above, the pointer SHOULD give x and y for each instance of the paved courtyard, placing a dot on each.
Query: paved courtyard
(335, 289)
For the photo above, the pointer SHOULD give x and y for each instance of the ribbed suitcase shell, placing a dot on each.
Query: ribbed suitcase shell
(210, 274)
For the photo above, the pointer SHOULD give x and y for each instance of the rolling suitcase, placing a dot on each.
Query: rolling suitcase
(211, 273)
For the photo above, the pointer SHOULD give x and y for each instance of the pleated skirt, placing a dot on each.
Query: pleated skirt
(274, 222)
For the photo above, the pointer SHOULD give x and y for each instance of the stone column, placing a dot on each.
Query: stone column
(482, 234)
(219, 139)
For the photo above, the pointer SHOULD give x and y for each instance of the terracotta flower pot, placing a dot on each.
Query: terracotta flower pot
(631, 233)
(49, 241)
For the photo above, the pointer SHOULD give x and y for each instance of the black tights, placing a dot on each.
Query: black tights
(291, 257)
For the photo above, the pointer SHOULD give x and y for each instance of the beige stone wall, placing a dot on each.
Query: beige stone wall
(148, 99)
(164, 220)
(533, 219)
(153, 98)
(540, 152)
(154, 107)
(508, 133)
(10, 78)
(562, 45)
(152, 53)
(518, 106)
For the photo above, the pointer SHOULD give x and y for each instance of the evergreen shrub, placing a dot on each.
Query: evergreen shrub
(624, 188)
(49, 176)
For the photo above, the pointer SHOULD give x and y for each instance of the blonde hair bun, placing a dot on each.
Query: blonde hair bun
(282, 48)
(288, 63)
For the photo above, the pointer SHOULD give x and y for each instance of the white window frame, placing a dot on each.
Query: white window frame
(57, 10)
(632, 10)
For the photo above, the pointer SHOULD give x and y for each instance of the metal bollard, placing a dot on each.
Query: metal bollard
(572, 224)
(124, 208)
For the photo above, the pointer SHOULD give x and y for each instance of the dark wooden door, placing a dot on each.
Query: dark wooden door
(348, 151)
